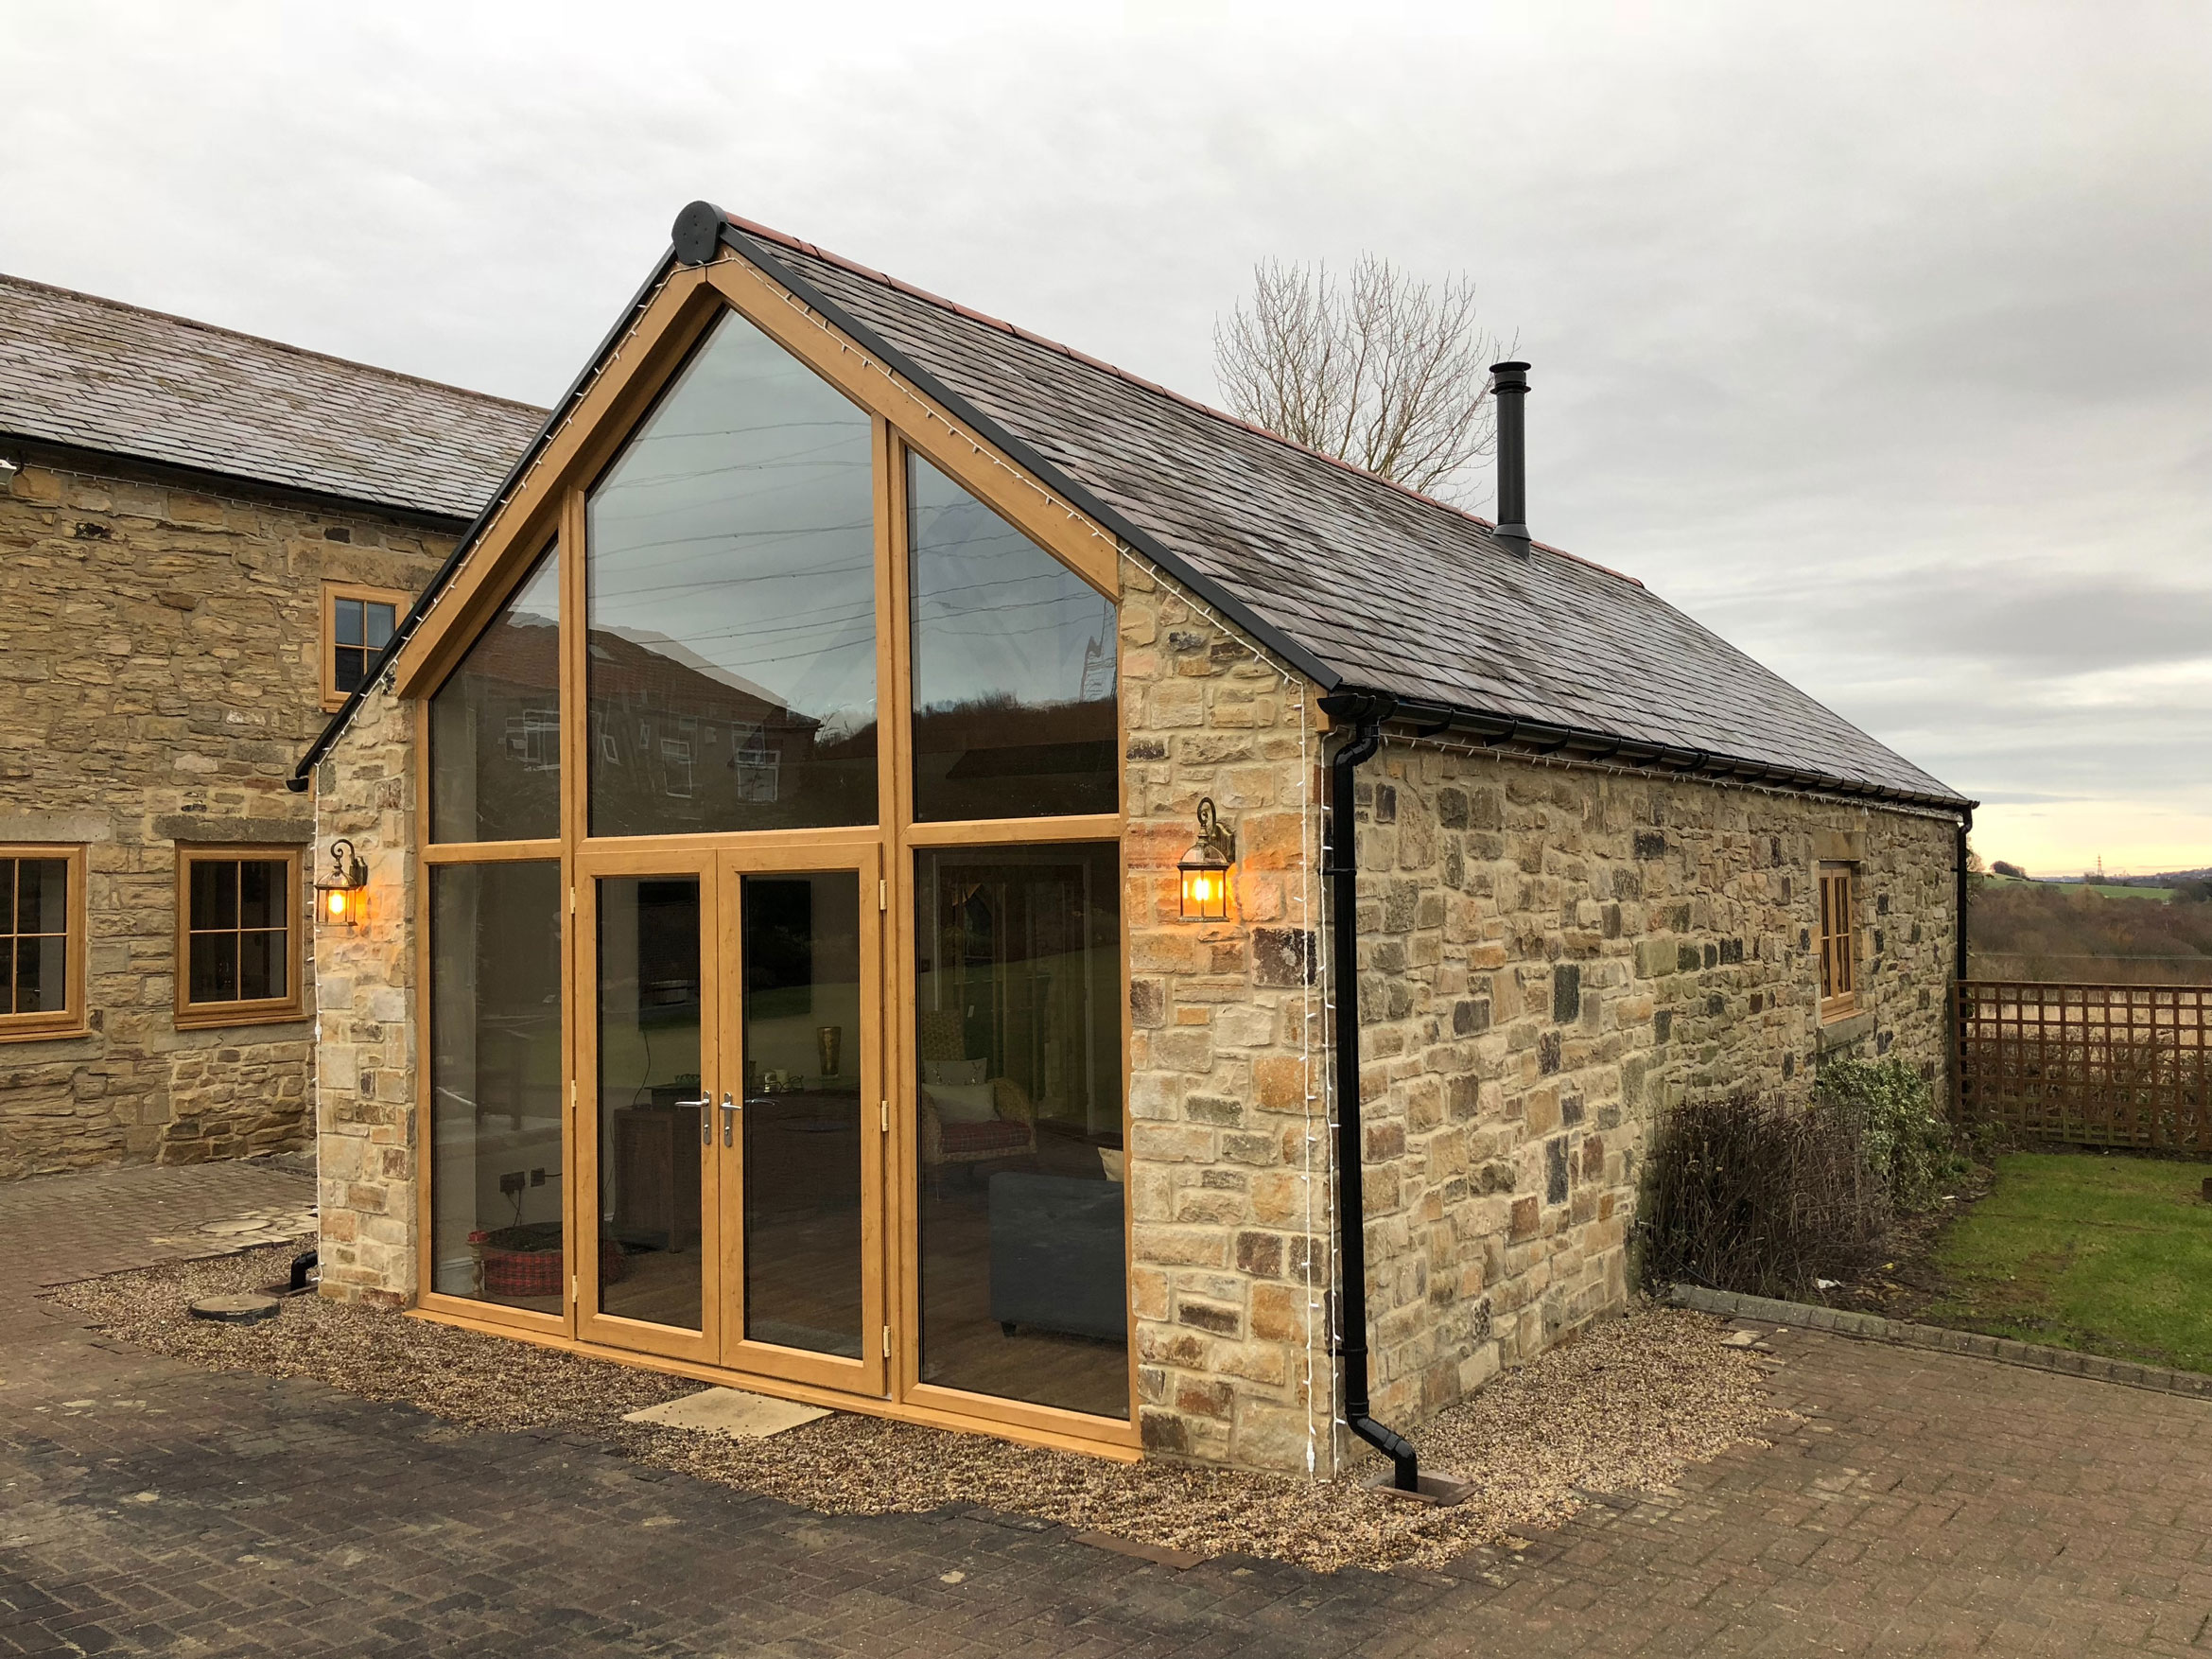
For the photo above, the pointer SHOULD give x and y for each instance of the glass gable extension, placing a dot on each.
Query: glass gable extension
(733, 605)
(735, 893)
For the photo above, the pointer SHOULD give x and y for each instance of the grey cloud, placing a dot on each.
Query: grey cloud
(1874, 336)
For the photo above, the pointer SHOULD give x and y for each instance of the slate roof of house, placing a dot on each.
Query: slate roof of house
(99, 374)
(1360, 582)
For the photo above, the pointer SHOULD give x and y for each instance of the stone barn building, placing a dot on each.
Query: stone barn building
(204, 538)
(1270, 868)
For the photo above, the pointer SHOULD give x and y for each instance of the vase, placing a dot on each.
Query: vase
(830, 1039)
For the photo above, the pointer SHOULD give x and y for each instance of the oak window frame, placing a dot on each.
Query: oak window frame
(334, 699)
(199, 1016)
(72, 1020)
(1838, 959)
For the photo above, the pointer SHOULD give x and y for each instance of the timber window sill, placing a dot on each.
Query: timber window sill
(213, 1018)
(9, 1033)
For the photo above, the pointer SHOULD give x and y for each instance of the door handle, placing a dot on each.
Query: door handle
(729, 1119)
(705, 1105)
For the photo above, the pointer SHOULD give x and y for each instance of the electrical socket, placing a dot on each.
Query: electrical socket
(537, 1177)
(512, 1183)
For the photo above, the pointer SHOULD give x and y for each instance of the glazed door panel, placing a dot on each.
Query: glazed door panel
(650, 1065)
(801, 1117)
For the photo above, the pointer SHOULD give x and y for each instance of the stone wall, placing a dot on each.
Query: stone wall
(365, 1080)
(1228, 1165)
(1548, 956)
(159, 678)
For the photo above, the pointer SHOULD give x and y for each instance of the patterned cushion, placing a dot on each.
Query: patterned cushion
(975, 1139)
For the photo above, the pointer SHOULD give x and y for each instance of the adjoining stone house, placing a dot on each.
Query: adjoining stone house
(203, 536)
(1064, 671)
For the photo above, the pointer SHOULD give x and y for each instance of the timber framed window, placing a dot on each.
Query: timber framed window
(238, 936)
(42, 942)
(1839, 941)
(358, 624)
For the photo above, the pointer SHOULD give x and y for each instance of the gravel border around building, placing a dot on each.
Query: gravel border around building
(1622, 1411)
(1972, 1344)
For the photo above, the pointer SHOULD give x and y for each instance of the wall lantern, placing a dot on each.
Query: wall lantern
(342, 896)
(1206, 866)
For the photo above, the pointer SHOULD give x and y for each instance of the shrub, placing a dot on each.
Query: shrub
(1904, 1142)
(1751, 1196)
(1744, 1195)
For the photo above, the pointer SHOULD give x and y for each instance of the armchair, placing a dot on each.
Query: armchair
(962, 1125)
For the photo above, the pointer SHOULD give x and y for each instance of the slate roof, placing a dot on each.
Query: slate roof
(1359, 582)
(99, 374)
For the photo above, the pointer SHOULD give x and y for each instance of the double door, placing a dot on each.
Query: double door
(732, 1115)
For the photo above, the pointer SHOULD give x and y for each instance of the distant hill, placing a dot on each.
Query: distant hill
(2110, 932)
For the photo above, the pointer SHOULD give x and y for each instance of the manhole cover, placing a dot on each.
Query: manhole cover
(240, 1308)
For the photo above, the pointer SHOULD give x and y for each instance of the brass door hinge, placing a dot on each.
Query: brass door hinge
(571, 901)
(882, 894)
(886, 1341)
(883, 1123)
(575, 1289)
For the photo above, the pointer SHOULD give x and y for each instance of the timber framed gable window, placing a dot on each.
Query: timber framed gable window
(42, 942)
(1839, 941)
(775, 978)
(358, 624)
(238, 936)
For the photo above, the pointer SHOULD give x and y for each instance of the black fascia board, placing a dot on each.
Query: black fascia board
(336, 725)
(1078, 495)
(1596, 747)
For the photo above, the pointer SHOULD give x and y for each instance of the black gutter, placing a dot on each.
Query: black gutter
(1077, 495)
(298, 781)
(1498, 730)
(1340, 869)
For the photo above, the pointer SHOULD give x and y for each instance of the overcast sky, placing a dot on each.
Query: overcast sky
(1879, 337)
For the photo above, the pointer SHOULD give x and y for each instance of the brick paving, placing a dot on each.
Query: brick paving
(1929, 1504)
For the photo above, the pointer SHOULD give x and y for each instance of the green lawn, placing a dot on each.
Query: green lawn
(2109, 1254)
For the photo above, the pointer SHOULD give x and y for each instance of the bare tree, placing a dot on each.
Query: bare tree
(1386, 372)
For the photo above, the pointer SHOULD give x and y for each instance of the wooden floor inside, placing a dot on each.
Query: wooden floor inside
(804, 1272)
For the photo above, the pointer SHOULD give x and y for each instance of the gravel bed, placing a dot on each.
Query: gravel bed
(1622, 1411)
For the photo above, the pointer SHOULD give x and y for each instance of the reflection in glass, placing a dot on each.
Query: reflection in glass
(34, 935)
(1013, 668)
(360, 629)
(495, 724)
(732, 583)
(238, 930)
(1017, 1021)
(802, 1117)
(495, 1171)
(650, 1001)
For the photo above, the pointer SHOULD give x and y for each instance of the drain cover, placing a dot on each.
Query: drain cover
(241, 1308)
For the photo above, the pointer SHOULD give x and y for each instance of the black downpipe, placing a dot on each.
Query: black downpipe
(1965, 827)
(1340, 869)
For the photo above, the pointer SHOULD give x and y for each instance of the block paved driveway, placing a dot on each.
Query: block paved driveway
(1929, 1504)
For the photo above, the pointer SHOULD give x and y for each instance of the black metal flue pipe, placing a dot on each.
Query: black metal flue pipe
(1365, 713)
(1510, 387)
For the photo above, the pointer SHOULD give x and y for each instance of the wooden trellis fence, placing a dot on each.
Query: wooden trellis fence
(2098, 1065)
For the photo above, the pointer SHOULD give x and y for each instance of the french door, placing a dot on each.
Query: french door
(731, 1110)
